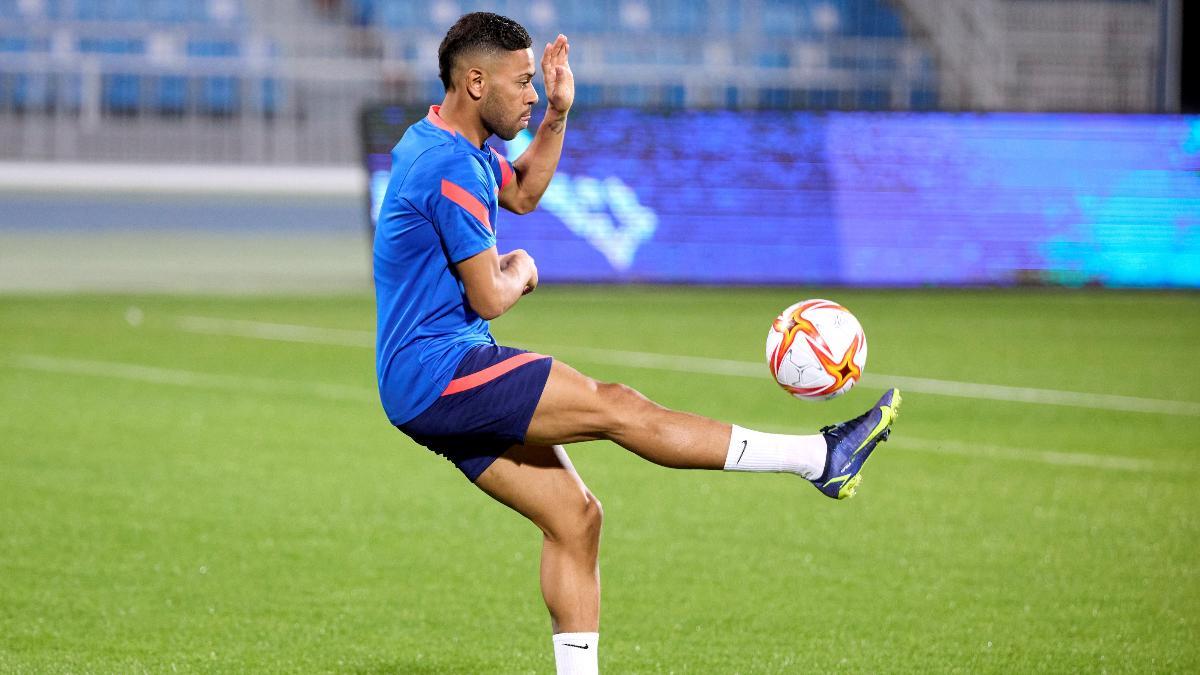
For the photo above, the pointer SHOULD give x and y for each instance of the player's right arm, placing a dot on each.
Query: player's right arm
(496, 282)
(459, 209)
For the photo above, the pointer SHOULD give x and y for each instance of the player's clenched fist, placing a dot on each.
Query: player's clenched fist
(524, 262)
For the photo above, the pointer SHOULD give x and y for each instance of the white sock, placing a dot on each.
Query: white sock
(575, 653)
(757, 451)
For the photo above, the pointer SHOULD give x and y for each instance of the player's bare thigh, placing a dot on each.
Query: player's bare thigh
(574, 408)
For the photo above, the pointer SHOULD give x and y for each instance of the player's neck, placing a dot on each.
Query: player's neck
(463, 119)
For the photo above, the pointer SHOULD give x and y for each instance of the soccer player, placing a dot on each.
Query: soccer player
(502, 415)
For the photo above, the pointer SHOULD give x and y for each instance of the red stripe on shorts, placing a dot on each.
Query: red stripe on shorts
(491, 372)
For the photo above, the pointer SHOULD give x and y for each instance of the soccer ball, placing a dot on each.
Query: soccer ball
(816, 350)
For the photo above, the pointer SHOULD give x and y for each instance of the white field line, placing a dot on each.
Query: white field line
(713, 366)
(239, 383)
(284, 332)
(166, 178)
(1117, 463)
(187, 378)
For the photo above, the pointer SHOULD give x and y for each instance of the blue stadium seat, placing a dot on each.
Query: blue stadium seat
(171, 94)
(467, 6)
(772, 58)
(362, 12)
(271, 91)
(87, 10)
(683, 18)
(167, 11)
(209, 47)
(824, 99)
(28, 92)
(602, 16)
(14, 44)
(923, 99)
(119, 93)
(54, 9)
(14, 86)
(121, 10)
(874, 99)
(218, 95)
(785, 19)
(588, 94)
(673, 96)
(272, 96)
(871, 18)
(400, 13)
(731, 97)
(126, 45)
(632, 95)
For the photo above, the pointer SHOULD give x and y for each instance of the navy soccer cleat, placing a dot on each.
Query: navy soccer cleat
(850, 444)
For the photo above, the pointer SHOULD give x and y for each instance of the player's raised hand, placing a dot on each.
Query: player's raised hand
(560, 83)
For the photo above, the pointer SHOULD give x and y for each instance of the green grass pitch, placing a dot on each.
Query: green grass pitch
(176, 500)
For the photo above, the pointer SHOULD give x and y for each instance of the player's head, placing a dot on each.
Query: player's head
(488, 59)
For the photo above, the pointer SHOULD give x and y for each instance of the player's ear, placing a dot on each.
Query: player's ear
(476, 83)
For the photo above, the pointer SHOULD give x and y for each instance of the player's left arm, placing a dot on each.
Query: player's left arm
(535, 167)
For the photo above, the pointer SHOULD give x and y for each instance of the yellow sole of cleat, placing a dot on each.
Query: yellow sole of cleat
(896, 405)
(891, 412)
(850, 487)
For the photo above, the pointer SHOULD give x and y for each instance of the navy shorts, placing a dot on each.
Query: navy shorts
(486, 408)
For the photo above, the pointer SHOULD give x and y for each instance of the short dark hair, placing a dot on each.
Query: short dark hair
(478, 31)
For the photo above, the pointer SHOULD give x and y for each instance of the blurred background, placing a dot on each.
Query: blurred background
(881, 142)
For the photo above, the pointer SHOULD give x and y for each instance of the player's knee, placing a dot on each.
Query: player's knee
(593, 517)
(589, 519)
(622, 405)
(579, 525)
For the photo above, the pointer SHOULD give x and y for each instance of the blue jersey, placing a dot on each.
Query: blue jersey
(440, 209)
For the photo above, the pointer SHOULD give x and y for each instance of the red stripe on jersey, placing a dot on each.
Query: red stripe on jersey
(491, 372)
(506, 171)
(468, 201)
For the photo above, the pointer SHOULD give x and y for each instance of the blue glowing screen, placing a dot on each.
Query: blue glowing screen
(880, 199)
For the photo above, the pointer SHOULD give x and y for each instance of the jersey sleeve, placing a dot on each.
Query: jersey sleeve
(502, 169)
(459, 207)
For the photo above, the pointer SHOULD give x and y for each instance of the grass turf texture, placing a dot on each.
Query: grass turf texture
(211, 528)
